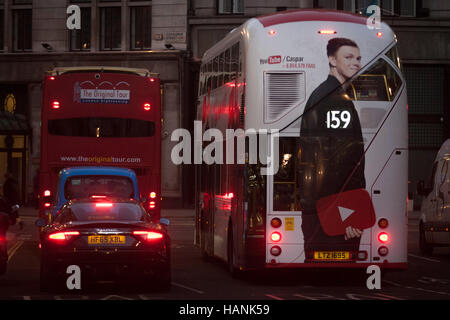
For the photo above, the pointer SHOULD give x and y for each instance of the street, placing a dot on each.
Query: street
(197, 278)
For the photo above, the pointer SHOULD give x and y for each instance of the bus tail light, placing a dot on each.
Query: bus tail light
(383, 223)
(383, 237)
(152, 205)
(275, 236)
(52, 78)
(275, 222)
(56, 104)
(62, 237)
(148, 235)
(151, 79)
(362, 255)
(47, 193)
(380, 35)
(152, 195)
(147, 106)
(383, 251)
(275, 251)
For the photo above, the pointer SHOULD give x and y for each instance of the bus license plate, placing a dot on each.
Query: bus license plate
(332, 255)
(115, 239)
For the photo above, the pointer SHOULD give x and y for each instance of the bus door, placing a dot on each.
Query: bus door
(284, 220)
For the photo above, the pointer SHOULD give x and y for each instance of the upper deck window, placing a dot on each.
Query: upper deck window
(379, 83)
(79, 187)
(101, 127)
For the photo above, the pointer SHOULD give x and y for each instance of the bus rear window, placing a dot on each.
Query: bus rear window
(80, 187)
(101, 127)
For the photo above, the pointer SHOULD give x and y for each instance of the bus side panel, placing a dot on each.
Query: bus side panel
(389, 184)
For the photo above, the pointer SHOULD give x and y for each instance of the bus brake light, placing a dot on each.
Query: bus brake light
(147, 106)
(380, 34)
(56, 104)
(152, 195)
(275, 236)
(47, 193)
(383, 237)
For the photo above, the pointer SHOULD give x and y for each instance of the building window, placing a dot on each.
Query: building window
(22, 1)
(388, 7)
(230, 6)
(22, 29)
(81, 39)
(110, 28)
(141, 28)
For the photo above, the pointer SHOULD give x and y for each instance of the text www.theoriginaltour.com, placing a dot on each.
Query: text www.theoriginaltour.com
(102, 159)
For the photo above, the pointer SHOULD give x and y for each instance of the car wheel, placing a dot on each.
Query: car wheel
(425, 247)
(48, 281)
(163, 280)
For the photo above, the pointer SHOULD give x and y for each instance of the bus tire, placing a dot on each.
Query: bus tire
(426, 248)
(234, 271)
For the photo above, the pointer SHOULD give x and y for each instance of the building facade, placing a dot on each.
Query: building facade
(423, 31)
(34, 38)
(169, 37)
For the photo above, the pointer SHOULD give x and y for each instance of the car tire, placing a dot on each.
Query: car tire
(426, 248)
(48, 281)
(164, 280)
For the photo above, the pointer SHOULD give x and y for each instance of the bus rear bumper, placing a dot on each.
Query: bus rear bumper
(343, 265)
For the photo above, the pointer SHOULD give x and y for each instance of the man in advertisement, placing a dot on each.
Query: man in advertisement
(332, 154)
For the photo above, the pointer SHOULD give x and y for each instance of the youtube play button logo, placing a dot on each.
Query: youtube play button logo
(350, 208)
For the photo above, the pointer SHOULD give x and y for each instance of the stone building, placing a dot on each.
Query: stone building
(34, 38)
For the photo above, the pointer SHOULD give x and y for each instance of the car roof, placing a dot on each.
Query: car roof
(75, 171)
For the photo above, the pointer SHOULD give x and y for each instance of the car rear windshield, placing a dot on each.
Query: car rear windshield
(79, 187)
(96, 211)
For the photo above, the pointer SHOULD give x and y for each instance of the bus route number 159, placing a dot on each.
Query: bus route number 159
(338, 119)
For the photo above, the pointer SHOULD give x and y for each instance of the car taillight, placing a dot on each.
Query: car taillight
(63, 236)
(148, 235)
(327, 32)
(56, 104)
(275, 236)
(383, 237)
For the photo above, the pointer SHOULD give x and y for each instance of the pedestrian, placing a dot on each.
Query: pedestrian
(10, 190)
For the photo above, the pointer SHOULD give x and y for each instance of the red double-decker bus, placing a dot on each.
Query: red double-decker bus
(102, 116)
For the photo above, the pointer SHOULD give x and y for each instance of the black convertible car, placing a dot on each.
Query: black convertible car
(107, 238)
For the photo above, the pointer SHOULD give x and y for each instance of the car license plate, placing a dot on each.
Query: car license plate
(332, 255)
(114, 239)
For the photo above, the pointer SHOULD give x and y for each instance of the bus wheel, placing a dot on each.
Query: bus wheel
(235, 272)
(424, 246)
